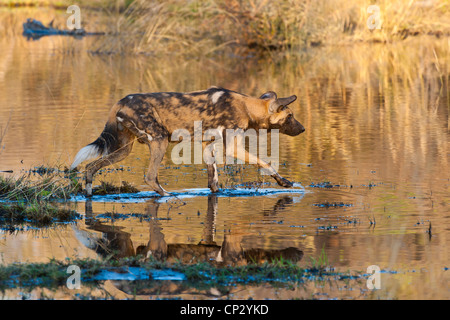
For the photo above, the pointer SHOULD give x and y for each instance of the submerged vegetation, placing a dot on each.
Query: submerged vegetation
(39, 213)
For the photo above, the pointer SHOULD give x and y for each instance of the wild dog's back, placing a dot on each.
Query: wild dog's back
(173, 110)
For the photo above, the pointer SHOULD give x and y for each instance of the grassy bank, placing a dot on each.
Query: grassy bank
(54, 273)
(109, 5)
(28, 198)
(43, 184)
(39, 184)
(203, 27)
(31, 197)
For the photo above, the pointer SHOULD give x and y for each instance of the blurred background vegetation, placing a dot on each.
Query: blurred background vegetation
(207, 26)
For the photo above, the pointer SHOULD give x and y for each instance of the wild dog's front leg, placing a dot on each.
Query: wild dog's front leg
(262, 164)
(211, 158)
(241, 154)
(213, 179)
(282, 181)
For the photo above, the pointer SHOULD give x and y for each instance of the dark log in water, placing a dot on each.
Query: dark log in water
(34, 29)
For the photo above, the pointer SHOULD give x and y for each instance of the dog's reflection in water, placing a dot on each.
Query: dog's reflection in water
(113, 242)
(117, 242)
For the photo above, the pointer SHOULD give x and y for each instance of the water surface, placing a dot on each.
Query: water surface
(374, 159)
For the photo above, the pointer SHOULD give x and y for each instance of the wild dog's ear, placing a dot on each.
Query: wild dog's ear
(283, 102)
(277, 104)
(270, 95)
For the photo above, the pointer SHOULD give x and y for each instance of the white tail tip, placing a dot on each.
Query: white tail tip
(89, 152)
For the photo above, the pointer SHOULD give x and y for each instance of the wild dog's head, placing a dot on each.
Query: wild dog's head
(280, 116)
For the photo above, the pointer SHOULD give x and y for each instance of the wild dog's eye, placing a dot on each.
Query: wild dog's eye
(290, 115)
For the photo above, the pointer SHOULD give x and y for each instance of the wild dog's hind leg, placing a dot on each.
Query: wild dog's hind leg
(157, 150)
(111, 158)
(149, 131)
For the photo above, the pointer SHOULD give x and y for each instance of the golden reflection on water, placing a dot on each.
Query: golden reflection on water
(375, 115)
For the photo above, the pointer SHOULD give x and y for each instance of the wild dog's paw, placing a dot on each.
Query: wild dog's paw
(214, 187)
(283, 182)
(88, 190)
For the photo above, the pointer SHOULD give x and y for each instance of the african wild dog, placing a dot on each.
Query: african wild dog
(151, 118)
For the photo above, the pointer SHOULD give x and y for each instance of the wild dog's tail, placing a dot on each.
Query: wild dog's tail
(105, 144)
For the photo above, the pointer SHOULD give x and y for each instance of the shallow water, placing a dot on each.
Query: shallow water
(374, 160)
